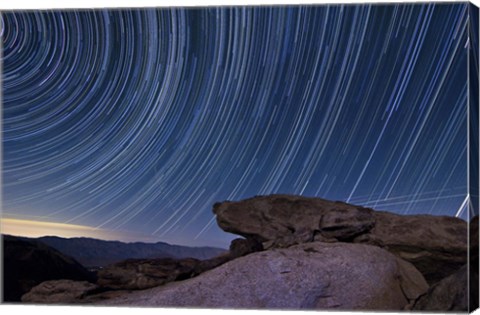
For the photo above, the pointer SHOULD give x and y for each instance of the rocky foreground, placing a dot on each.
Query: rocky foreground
(301, 253)
(28, 263)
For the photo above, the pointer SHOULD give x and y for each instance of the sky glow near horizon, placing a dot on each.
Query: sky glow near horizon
(39, 228)
(140, 120)
(35, 228)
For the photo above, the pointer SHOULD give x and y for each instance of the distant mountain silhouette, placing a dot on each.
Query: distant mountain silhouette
(98, 253)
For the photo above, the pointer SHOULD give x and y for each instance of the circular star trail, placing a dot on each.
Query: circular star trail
(139, 120)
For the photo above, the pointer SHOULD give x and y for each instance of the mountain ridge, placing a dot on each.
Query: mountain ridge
(91, 252)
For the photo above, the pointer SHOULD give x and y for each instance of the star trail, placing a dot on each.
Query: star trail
(140, 120)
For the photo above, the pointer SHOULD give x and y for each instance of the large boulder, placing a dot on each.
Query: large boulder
(436, 245)
(458, 291)
(308, 276)
(449, 294)
(59, 291)
(138, 274)
(27, 263)
(278, 218)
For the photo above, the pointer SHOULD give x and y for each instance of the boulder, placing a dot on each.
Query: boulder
(317, 275)
(28, 263)
(289, 220)
(59, 291)
(139, 274)
(449, 294)
(436, 245)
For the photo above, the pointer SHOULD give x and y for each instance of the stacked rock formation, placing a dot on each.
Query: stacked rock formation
(435, 245)
(308, 253)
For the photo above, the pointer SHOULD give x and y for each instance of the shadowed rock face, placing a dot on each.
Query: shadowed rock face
(138, 274)
(59, 291)
(307, 276)
(240, 247)
(120, 279)
(449, 294)
(436, 245)
(458, 291)
(28, 263)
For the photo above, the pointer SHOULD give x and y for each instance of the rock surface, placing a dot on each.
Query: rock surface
(474, 265)
(277, 218)
(138, 274)
(59, 291)
(28, 263)
(205, 265)
(449, 294)
(436, 245)
(307, 276)
(240, 247)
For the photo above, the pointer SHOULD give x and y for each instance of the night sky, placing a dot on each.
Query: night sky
(138, 121)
